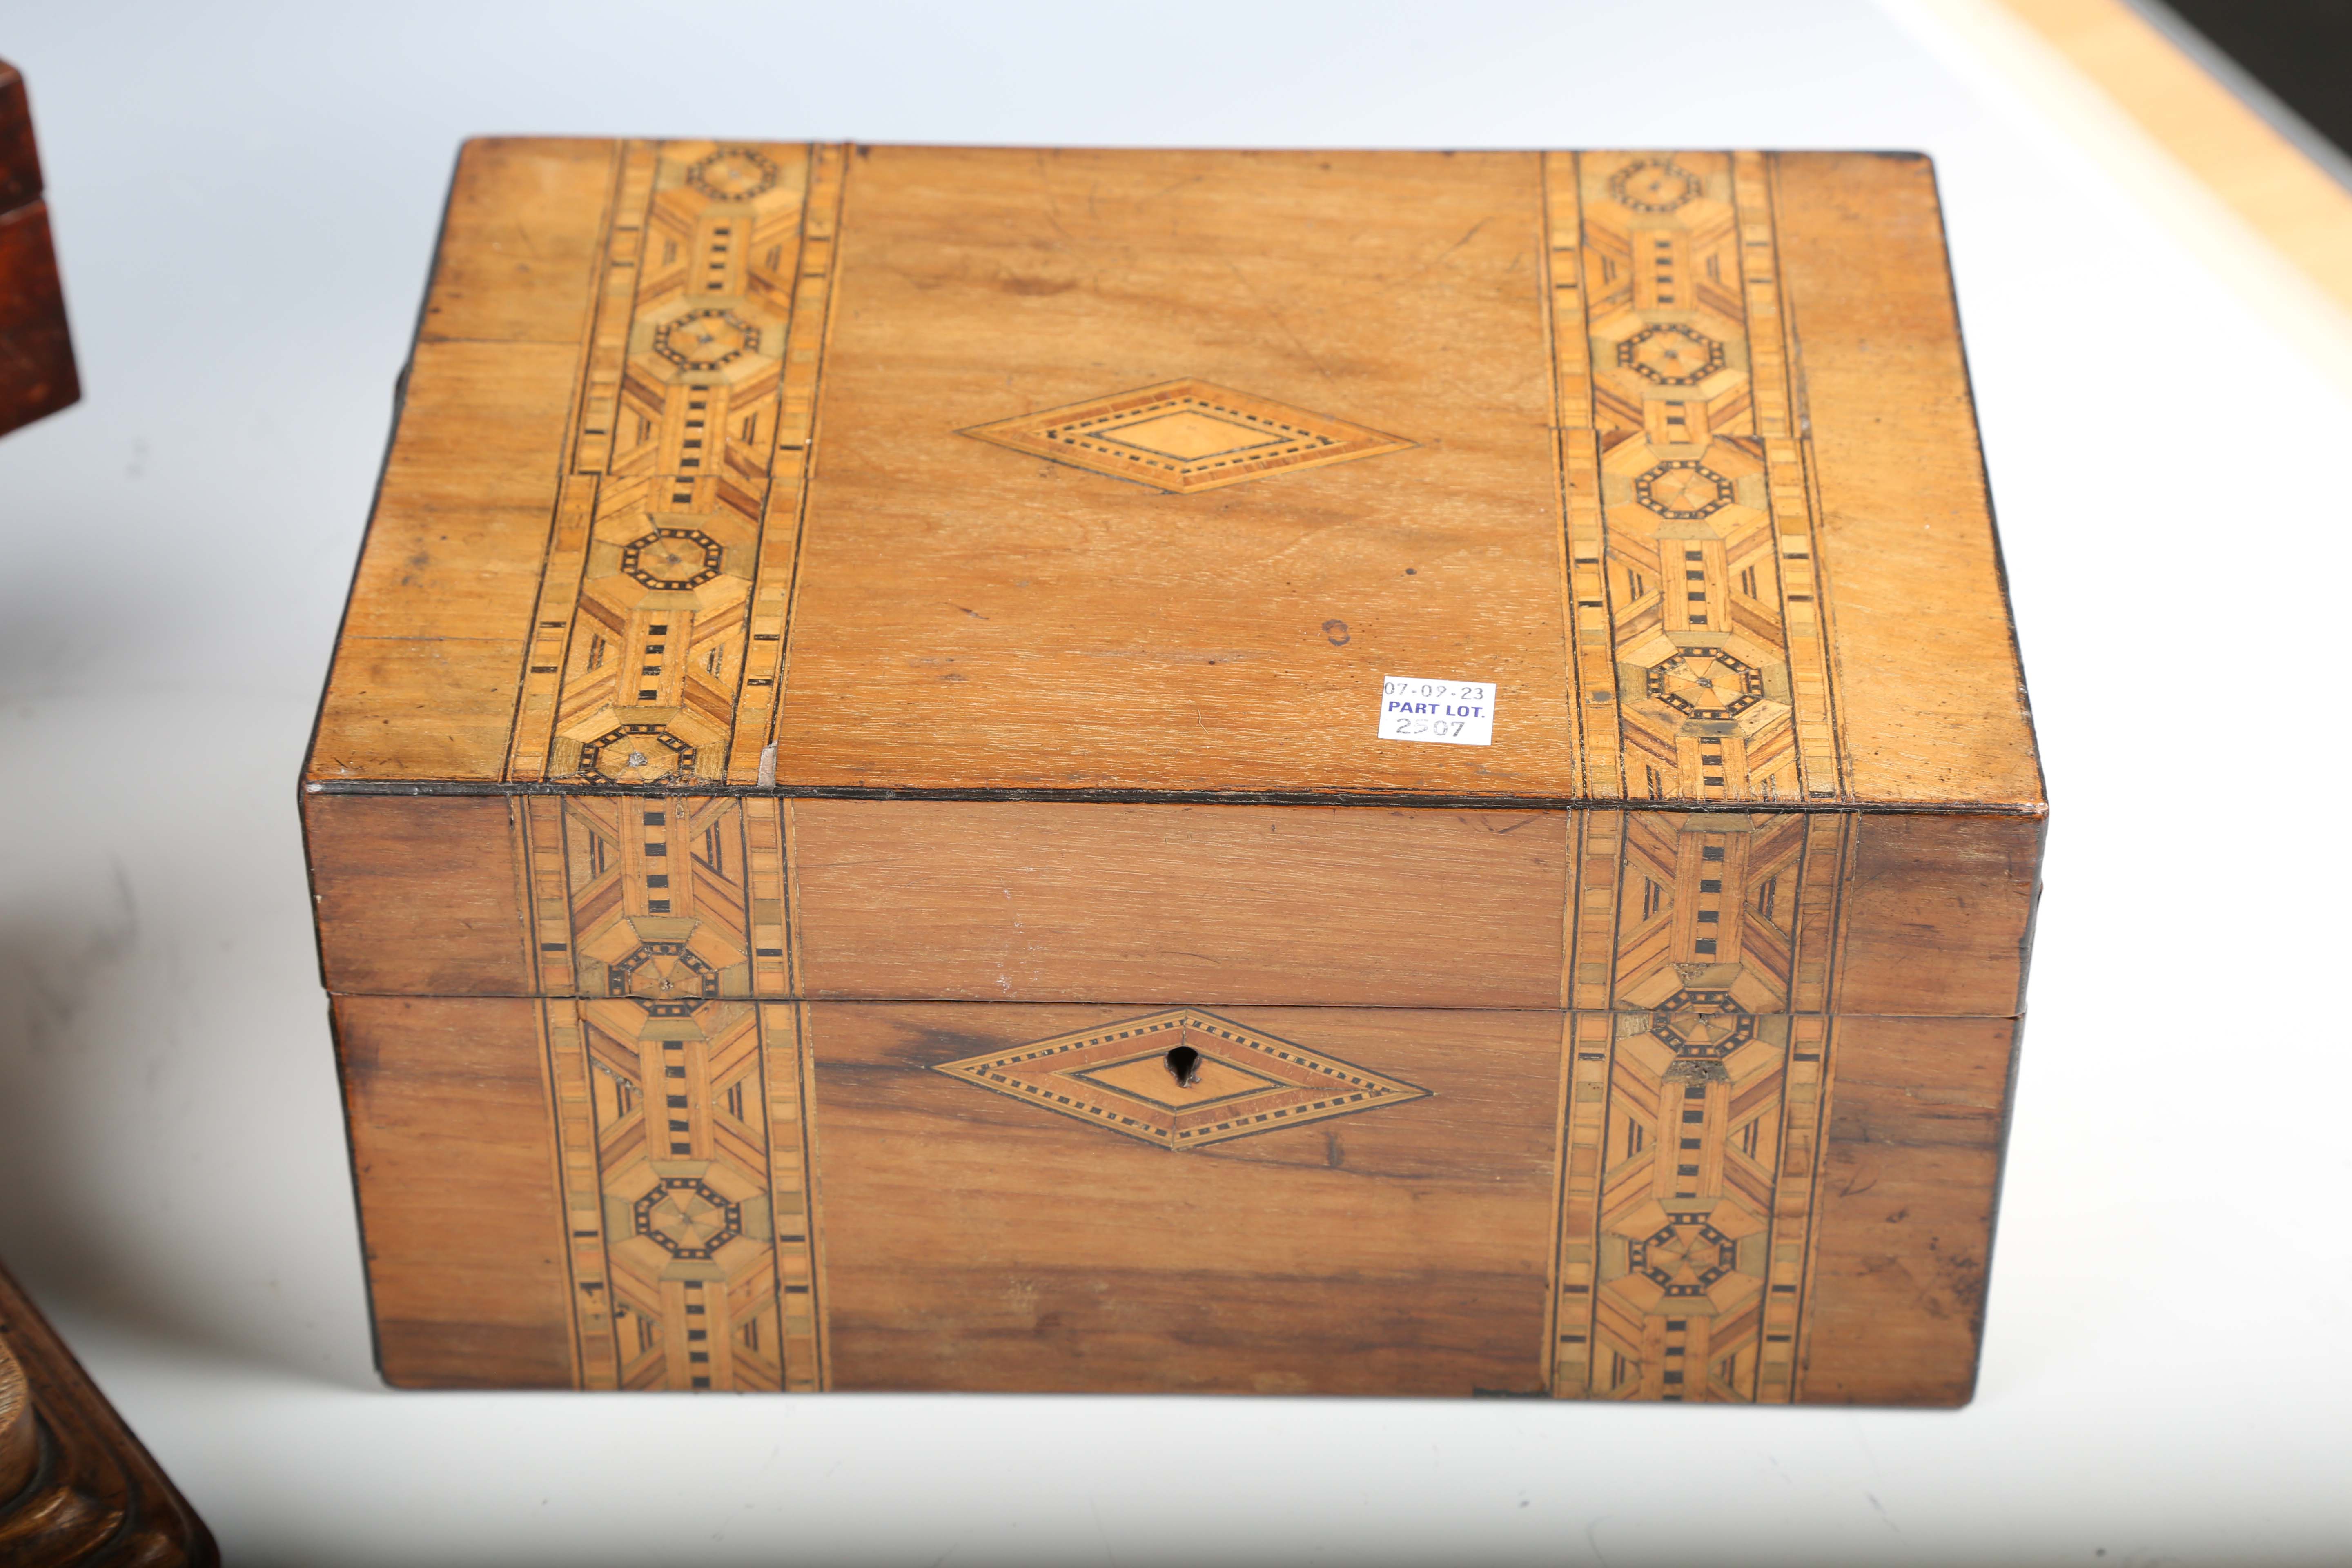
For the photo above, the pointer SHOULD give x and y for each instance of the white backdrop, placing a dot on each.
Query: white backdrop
(246, 196)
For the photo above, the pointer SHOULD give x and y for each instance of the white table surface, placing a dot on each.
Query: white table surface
(245, 197)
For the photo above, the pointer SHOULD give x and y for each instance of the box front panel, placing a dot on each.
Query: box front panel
(1037, 1225)
(1684, 1204)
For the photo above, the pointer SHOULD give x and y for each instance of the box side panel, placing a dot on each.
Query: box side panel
(1894, 1300)
(417, 895)
(1331, 906)
(453, 1156)
(1938, 911)
(428, 667)
(1930, 697)
(982, 1240)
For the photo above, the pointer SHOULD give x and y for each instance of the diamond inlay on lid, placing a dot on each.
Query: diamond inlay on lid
(1186, 435)
(1182, 1077)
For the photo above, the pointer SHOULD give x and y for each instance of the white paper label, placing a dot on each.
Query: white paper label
(1450, 712)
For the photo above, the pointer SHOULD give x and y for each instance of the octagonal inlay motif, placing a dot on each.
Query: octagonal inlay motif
(1683, 489)
(706, 338)
(1706, 1024)
(667, 976)
(1684, 1257)
(637, 753)
(1655, 186)
(686, 1219)
(1671, 355)
(673, 558)
(1705, 683)
(733, 174)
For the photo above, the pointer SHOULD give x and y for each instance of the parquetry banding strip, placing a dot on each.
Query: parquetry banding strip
(1695, 616)
(1691, 1136)
(685, 1133)
(673, 534)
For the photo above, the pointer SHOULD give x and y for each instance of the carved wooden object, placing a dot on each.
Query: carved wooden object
(75, 1485)
(853, 850)
(36, 363)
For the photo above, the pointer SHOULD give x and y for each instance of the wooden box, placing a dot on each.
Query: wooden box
(861, 841)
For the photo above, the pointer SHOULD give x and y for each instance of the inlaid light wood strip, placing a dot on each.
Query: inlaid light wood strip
(1829, 861)
(599, 392)
(1592, 888)
(547, 892)
(1797, 544)
(750, 761)
(551, 631)
(569, 1070)
(1804, 1100)
(794, 924)
(1592, 657)
(1591, 1039)
(792, 1156)
(763, 847)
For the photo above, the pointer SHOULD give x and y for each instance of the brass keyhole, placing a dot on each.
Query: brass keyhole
(1184, 1066)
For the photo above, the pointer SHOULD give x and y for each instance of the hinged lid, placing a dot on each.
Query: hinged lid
(1136, 474)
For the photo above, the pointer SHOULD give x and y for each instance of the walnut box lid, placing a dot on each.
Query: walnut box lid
(1135, 475)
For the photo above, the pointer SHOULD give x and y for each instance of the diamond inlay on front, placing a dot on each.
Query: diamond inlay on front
(1182, 1077)
(1186, 435)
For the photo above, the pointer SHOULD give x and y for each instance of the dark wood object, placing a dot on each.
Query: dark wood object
(36, 363)
(75, 1485)
(854, 844)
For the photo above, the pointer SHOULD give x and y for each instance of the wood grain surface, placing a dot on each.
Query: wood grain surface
(981, 1240)
(75, 1487)
(734, 474)
(453, 1154)
(1035, 902)
(1911, 1173)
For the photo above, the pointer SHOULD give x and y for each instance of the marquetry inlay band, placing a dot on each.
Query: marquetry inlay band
(1697, 632)
(682, 1113)
(1691, 1140)
(658, 648)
